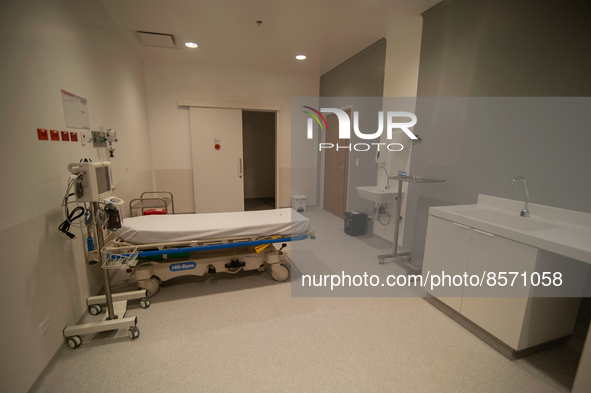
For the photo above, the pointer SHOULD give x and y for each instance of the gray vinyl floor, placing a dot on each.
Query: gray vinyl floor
(248, 333)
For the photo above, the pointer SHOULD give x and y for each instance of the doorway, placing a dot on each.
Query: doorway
(259, 152)
(336, 170)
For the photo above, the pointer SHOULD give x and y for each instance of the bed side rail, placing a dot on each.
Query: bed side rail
(208, 245)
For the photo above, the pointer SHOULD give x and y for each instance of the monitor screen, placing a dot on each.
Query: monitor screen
(103, 180)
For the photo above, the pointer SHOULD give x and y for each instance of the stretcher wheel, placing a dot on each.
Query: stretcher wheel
(95, 309)
(381, 261)
(133, 332)
(145, 303)
(74, 341)
(281, 274)
(152, 286)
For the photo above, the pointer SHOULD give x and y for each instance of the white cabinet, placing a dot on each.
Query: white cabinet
(446, 252)
(520, 322)
(501, 316)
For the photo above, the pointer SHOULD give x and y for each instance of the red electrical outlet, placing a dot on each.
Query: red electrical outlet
(74, 136)
(65, 136)
(55, 135)
(42, 134)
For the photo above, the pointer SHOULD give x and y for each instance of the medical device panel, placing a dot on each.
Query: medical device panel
(96, 181)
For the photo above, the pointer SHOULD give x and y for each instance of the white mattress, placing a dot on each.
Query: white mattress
(184, 227)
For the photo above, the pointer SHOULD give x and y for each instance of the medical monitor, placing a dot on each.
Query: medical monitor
(95, 182)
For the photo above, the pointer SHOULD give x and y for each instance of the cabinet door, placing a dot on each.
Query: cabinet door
(501, 316)
(446, 252)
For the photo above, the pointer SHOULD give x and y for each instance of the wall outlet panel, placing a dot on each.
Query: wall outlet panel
(99, 139)
(65, 136)
(44, 326)
(74, 136)
(55, 135)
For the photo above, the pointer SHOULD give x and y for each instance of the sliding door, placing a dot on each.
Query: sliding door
(218, 167)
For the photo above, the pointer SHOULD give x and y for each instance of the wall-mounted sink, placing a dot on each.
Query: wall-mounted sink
(513, 221)
(377, 194)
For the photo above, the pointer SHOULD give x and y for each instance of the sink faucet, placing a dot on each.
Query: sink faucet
(387, 176)
(525, 210)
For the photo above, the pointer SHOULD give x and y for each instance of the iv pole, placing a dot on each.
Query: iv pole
(101, 243)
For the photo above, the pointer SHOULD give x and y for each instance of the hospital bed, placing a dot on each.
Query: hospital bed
(156, 248)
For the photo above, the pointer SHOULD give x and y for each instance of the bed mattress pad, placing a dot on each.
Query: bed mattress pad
(185, 227)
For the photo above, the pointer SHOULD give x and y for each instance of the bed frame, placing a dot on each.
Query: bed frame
(151, 264)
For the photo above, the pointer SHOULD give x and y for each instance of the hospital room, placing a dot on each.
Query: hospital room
(196, 198)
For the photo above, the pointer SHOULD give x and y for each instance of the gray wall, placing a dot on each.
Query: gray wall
(360, 76)
(503, 48)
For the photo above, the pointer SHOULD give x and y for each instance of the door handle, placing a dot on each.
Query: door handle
(342, 168)
(460, 225)
(240, 167)
(484, 233)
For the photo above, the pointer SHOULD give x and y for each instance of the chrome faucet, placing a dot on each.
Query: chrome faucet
(525, 210)
(387, 176)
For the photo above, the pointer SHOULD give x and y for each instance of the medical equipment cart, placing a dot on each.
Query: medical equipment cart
(93, 183)
(395, 254)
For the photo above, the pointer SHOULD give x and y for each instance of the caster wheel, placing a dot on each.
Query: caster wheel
(281, 274)
(95, 309)
(145, 303)
(381, 261)
(74, 341)
(151, 286)
(133, 332)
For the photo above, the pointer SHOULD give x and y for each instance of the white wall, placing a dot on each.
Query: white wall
(170, 135)
(48, 46)
(401, 77)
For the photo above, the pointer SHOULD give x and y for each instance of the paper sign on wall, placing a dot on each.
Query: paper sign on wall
(75, 111)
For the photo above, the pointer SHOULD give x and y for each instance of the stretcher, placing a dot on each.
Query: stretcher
(157, 248)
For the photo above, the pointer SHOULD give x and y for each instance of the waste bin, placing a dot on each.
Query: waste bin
(298, 203)
(355, 223)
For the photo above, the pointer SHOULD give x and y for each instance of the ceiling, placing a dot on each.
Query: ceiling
(328, 32)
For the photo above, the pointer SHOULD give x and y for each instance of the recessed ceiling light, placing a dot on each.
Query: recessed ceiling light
(300, 57)
(191, 44)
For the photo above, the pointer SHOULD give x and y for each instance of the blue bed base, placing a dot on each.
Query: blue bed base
(170, 251)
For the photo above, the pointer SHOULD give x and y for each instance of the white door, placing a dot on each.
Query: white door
(218, 178)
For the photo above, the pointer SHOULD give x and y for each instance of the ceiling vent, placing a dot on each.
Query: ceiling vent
(161, 40)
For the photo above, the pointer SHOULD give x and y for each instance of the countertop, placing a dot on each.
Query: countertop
(570, 237)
